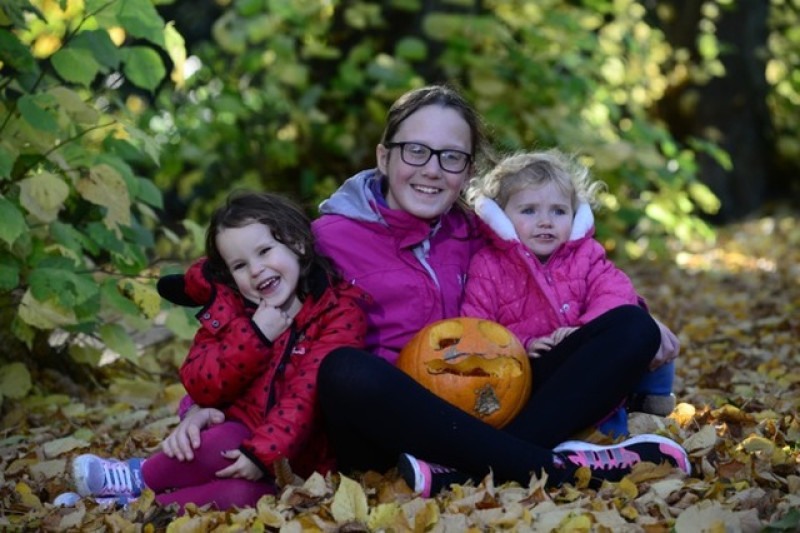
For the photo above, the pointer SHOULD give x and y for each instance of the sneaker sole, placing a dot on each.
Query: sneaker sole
(683, 461)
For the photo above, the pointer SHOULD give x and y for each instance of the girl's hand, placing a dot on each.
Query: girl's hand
(669, 349)
(184, 439)
(242, 467)
(562, 333)
(272, 321)
(545, 344)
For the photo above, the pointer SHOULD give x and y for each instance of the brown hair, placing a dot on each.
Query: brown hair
(285, 219)
(443, 96)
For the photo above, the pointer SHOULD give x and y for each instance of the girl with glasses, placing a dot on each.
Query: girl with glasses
(401, 232)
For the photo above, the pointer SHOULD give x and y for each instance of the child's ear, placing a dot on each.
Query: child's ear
(382, 156)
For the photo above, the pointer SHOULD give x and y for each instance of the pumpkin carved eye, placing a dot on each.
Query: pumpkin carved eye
(475, 364)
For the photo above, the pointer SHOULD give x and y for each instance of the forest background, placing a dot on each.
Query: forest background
(123, 123)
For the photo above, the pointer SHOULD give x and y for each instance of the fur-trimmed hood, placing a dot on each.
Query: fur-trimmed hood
(495, 218)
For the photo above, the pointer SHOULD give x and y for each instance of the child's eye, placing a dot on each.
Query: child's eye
(264, 251)
(560, 211)
(528, 211)
(237, 266)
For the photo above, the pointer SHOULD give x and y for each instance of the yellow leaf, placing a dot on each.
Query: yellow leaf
(17, 465)
(43, 195)
(683, 414)
(15, 381)
(144, 296)
(701, 442)
(27, 497)
(105, 187)
(574, 523)
(44, 315)
(268, 514)
(349, 502)
(711, 514)
(56, 447)
(629, 512)
(384, 517)
(628, 488)
(755, 444)
(49, 469)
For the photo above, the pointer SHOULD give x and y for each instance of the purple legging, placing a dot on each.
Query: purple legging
(373, 411)
(196, 482)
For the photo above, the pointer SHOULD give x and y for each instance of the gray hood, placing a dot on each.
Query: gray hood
(355, 199)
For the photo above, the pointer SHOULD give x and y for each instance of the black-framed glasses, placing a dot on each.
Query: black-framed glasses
(417, 155)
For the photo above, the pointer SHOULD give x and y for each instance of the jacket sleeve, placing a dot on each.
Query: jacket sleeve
(480, 296)
(225, 356)
(607, 286)
(291, 420)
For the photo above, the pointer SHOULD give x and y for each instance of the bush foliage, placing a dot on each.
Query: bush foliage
(116, 141)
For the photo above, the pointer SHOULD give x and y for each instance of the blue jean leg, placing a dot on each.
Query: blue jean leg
(657, 382)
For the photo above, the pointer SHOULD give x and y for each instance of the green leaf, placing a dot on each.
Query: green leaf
(104, 237)
(181, 322)
(105, 12)
(143, 67)
(131, 260)
(74, 106)
(70, 238)
(13, 222)
(411, 49)
(15, 54)
(75, 65)
(66, 287)
(790, 522)
(149, 193)
(140, 19)
(7, 158)
(112, 295)
(117, 339)
(100, 45)
(15, 381)
(35, 115)
(9, 273)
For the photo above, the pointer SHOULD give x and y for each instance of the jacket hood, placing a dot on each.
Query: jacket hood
(355, 199)
(495, 218)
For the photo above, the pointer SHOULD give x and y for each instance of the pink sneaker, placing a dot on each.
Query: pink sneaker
(95, 476)
(427, 478)
(614, 462)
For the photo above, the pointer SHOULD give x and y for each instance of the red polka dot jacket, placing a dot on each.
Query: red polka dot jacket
(271, 387)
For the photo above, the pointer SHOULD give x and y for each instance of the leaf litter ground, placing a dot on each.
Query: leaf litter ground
(734, 305)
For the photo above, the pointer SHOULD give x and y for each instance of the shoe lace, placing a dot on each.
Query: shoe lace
(440, 469)
(118, 479)
(607, 459)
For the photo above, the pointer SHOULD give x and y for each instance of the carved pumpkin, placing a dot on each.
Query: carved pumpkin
(477, 365)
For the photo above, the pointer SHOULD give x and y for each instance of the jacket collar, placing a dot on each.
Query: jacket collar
(498, 221)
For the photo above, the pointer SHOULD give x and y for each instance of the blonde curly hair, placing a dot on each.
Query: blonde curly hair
(533, 169)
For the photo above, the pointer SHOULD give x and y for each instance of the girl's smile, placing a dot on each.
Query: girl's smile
(262, 267)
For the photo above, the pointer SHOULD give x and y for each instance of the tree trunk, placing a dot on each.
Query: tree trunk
(731, 110)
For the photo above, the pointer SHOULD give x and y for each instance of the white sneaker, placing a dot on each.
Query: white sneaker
(95, 476)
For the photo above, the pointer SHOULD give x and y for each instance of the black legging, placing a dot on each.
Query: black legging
(374, 411)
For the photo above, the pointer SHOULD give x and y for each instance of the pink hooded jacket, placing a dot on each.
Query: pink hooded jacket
(508, 284)
(414, 271)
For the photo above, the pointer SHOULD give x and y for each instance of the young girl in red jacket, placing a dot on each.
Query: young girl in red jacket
(272, 309)
(545, 276)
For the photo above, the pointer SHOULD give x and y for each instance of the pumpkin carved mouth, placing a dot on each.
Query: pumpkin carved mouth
(475, 364)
